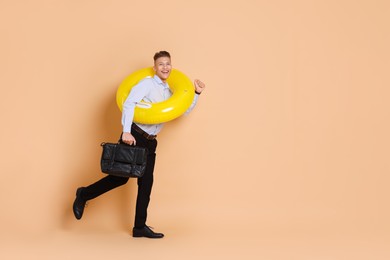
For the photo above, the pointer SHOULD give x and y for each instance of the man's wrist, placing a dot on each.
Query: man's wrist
(198, 93)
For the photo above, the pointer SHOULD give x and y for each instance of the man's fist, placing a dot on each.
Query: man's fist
(128, 138)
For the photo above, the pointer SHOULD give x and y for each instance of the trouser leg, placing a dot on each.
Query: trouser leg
(145, 183)
(144, 190)
(103, 185)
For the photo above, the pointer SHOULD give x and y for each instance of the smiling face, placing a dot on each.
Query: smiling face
(162, 67)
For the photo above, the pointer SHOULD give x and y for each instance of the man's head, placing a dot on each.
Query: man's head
(162, 65)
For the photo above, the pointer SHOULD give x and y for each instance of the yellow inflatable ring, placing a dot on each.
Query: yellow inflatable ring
(161, 112)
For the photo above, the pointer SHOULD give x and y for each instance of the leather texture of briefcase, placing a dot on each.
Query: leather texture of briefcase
(123, 160)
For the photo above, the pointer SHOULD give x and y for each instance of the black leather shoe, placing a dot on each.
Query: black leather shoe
(79, 204)
(146, 232)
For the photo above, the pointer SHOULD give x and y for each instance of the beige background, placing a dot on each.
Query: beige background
(286, 155)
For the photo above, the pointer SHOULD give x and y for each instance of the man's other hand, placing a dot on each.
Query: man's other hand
(199, 86)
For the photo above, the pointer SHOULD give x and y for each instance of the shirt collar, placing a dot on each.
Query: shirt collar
(159, 81)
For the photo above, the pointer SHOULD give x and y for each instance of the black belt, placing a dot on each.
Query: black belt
(142, 132)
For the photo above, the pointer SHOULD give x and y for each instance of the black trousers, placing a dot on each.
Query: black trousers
(145, 183)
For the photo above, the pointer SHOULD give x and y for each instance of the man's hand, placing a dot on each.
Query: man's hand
(199, 86)
(128, 138)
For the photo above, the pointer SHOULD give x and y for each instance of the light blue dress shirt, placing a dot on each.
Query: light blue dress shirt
(149, 90)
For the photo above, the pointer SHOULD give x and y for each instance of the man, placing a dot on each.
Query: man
(152, 90)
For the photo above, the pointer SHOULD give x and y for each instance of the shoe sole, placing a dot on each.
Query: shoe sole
(147, 237)
(141, 235)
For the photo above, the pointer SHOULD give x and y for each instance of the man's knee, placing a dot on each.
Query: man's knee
(145, 181)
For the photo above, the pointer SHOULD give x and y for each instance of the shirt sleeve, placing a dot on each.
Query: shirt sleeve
(137, 93)
(194, 101)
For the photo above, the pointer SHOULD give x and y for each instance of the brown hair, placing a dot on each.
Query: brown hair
(161, 54)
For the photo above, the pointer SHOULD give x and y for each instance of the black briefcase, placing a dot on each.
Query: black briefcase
(123, 160)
